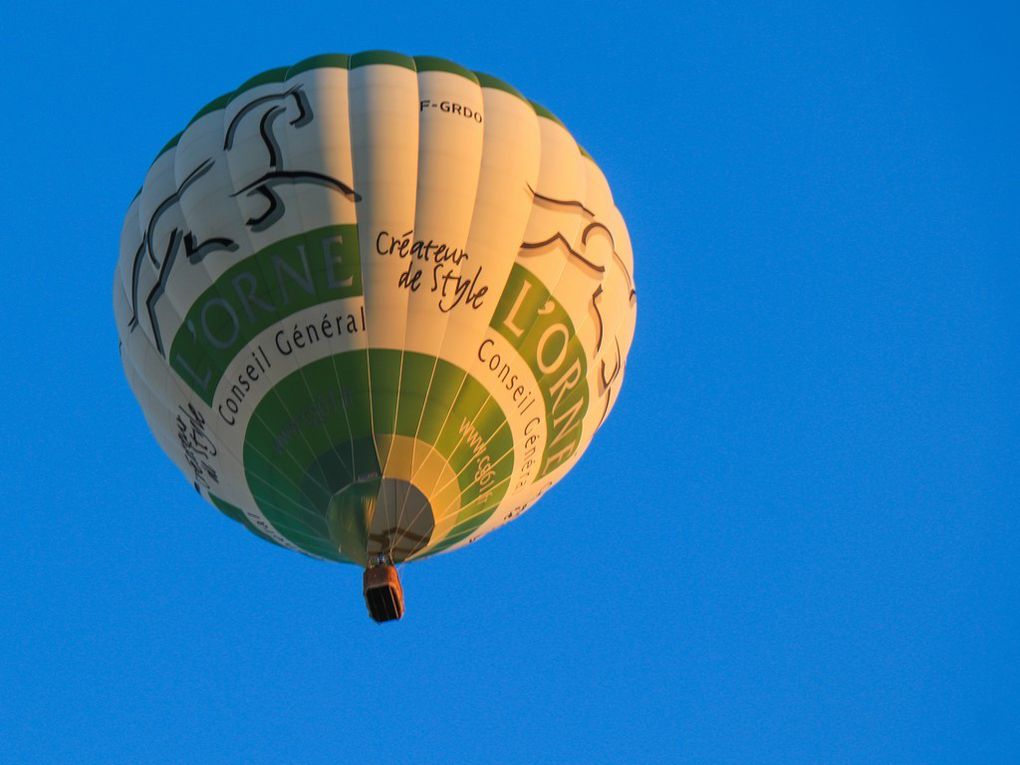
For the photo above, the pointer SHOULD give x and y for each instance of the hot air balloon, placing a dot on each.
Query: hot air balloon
(373, 307)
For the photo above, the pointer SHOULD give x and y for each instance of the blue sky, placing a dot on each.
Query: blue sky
(807, 548)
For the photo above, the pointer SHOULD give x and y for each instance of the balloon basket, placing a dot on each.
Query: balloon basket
(383, 594)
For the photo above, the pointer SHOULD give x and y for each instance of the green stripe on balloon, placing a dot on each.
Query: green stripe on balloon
(370, 57)
(434, 64)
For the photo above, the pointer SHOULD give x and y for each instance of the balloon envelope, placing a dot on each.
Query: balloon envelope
(374, 305)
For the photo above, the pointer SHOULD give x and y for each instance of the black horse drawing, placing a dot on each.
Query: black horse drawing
(164, 248)
(577, 253)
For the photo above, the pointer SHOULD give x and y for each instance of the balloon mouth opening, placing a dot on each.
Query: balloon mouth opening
(380, 516)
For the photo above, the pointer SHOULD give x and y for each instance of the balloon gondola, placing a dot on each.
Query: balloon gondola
(374, 306)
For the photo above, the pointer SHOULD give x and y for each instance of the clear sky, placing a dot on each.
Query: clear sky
(795, 539)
